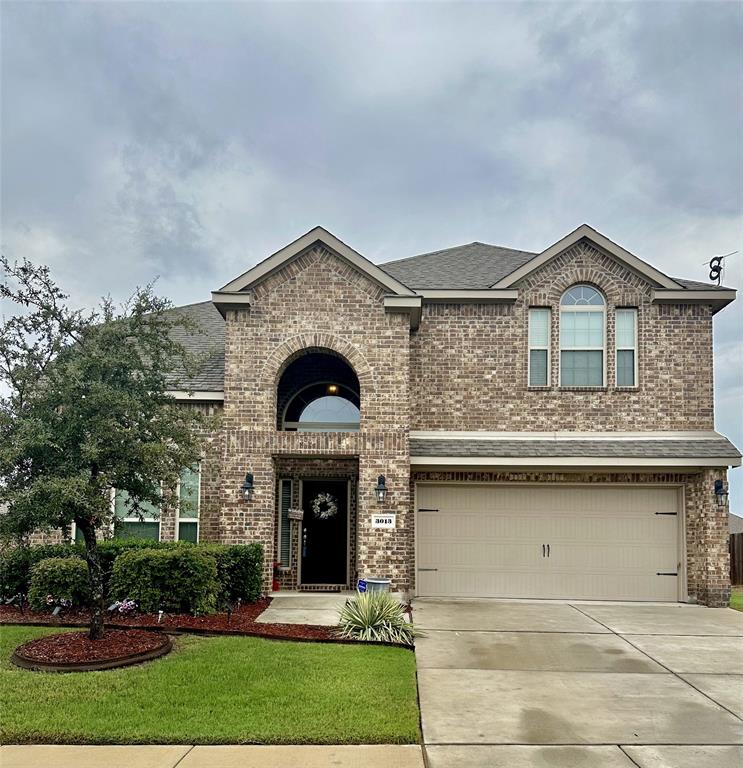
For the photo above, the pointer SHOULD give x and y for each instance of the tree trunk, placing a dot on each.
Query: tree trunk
(95, 575)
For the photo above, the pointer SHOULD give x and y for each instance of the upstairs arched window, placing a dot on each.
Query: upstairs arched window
(582, 337)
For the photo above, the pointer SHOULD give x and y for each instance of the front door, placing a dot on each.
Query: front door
(324, 532)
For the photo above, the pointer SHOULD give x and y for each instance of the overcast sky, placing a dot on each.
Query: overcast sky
(188, 141)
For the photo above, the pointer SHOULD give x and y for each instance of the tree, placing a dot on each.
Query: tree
(84, 409)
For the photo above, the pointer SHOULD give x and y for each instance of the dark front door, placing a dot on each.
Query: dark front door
(324, 531)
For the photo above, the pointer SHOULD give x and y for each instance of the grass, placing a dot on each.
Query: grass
(216, 690)
(736, 598)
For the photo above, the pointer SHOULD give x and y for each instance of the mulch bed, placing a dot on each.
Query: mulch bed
(78, 647)
(241, 622)
(76, 652)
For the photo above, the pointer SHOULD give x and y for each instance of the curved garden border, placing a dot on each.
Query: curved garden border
(26, 662)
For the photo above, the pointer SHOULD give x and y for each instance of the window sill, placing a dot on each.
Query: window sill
(583, 389)
(539, 389)
(627, 389)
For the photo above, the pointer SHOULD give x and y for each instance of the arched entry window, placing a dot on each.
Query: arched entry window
(318, 392)
(582, 337)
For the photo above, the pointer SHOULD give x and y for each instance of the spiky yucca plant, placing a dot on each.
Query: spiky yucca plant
(376, 617)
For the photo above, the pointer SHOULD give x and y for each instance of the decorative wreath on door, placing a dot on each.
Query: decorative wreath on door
(325, 506)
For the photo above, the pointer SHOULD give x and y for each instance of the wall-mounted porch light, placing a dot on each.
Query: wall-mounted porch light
(248, 486)
(381, 489)
(721, 493)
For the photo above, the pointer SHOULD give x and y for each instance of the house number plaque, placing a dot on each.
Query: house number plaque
(384, 521)
(295, 514)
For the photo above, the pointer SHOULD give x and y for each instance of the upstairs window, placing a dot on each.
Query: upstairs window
(539, 347)
(626, 344)
(582, 337)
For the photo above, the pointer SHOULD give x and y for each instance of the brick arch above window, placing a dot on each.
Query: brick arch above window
(289, 350)
(584, 264)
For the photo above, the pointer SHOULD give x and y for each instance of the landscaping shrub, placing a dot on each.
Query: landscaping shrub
(375, 616)
(109, 550)
(56, 580)
(239, 567)
(239, 572)
(16, 564)
(177, 580)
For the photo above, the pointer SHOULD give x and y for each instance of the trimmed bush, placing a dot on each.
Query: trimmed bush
(16, 564)
(239, 567)
(177, 580)
(58, 579)
(239, 572)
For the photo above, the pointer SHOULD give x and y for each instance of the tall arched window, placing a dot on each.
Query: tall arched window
(582, 338)
(318, 392)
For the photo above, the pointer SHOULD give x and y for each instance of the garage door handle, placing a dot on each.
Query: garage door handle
(666, 573)
(543, 550)
(428, 569)
(548, 550)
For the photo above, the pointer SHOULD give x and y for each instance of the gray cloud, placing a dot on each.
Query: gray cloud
(190, 140)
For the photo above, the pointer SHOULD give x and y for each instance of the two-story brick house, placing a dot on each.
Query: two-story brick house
(477, 421)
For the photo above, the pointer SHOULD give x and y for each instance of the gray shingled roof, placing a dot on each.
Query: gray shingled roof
(475, 265)
(641, 449)
(207, 345)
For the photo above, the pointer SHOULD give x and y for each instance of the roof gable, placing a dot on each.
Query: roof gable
(654, 276)
(300, 245)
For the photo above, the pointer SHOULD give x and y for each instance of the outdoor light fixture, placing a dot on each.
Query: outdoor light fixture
(248, 486)
(721, 493)
(332, 389)
(381, 489)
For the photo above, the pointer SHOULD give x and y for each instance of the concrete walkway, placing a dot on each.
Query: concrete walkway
(319, 608)
(506, 684)
(393, 756)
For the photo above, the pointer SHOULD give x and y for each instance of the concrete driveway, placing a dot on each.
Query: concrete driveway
(506, 684)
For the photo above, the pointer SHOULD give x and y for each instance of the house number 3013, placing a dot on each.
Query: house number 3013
(384, 521)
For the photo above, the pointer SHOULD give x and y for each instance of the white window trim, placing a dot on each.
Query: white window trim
(618, 349)
(602, 348)
(196, 519)
(279, 526)
(531, 346)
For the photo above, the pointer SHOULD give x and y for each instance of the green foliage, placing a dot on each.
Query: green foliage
(84, 408)
(178, 580)
(375, 616)
(238, 567)
(62, 578)
(16, 564)
(239, 571)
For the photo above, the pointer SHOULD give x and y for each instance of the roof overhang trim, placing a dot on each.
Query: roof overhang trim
(405, 305)
(575, 462)
(226, 300)
(718, 299)
(463, 296)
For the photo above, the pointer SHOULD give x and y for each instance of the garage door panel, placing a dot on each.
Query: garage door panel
(605, 542)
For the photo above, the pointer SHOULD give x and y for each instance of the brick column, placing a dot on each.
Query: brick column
(708, 556)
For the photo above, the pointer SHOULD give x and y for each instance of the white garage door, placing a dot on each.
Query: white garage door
(579, 542)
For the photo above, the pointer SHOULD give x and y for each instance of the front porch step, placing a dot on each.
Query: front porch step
(321, 587)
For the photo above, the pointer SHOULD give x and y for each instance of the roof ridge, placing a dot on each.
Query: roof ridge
(456, 247)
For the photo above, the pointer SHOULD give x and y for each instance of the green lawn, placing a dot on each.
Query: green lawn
(217, 690)
(736, 598)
